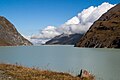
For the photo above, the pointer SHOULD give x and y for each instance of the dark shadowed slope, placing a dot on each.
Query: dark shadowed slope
(65, 39)
(9, 36)
(105, 32)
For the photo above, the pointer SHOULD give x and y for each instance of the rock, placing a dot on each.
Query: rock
(85, 75)
(105, 32)
(65, 39)
(9, 36)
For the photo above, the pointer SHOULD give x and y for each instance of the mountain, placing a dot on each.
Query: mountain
(76, 24)
(9, 36)
(105, 32)
(65, 39)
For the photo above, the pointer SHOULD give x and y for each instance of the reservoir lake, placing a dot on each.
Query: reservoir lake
(104, 63)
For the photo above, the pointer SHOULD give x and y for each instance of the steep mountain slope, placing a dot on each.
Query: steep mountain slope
(9, 36)
(65, 39)
(105, 32)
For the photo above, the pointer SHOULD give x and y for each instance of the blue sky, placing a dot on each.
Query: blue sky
(29, 16)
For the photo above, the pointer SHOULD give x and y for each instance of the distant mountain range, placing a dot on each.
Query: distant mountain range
(9, 36)
(65, 39)
(105, 32)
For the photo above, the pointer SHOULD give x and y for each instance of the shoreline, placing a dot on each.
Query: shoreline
(18, 72)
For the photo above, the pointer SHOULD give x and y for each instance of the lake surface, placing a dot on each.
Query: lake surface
(104, 63)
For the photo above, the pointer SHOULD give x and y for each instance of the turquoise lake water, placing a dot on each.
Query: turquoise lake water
(104, 63)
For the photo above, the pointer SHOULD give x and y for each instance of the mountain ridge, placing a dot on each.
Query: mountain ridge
(65, 39)
(9, 36)
(105, 32)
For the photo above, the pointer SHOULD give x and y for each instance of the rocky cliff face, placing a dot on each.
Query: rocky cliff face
(105, 32)
(9, 36)
(65, 39)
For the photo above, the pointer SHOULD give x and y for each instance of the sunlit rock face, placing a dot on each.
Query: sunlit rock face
(9, 36)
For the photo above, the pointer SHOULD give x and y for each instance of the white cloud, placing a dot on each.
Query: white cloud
(77, 24)
(74, 20)
(85, 14)
(98, 11)
(48, 32)
(86, 18)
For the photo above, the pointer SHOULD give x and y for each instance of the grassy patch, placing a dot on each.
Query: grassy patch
(16, 72)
